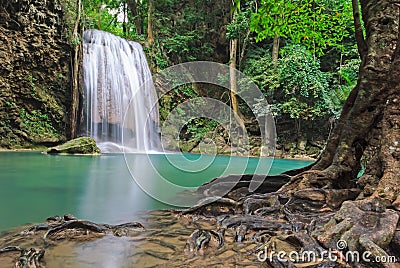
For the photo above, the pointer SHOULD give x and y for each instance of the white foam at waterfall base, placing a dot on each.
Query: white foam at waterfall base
(120, 103)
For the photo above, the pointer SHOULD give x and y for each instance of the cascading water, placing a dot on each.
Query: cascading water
(120, 109)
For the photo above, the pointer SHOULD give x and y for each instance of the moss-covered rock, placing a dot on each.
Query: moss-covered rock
(82, 145)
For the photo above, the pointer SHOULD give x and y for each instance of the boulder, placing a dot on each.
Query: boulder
(302, 143)
(82, 145)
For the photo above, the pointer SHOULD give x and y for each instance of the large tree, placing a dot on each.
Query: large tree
(369, 129)
(370, 117)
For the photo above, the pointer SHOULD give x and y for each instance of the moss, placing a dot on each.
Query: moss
(35, 99)
(82, 145)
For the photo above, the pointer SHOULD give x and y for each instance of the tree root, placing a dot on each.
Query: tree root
(199, 240)
(213, 206)
(323, 179)
(10, 249)
(304, 180)
(363, 225)
(75, 224)
(29, 258)
(70, 227)
(308, 218)
(66, 227)
(226, 186)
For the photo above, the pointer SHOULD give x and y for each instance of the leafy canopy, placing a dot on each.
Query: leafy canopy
(317, 24)
(295, 86)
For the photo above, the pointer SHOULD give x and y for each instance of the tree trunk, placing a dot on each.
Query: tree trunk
(232, 79)
(124, 26)
(75, 74)
(233, 85)
(275, 48)
(99, 17)
(132, 5)
(150, 37)
(370, 117)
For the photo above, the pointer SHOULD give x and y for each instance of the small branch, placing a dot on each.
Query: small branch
(361, 44)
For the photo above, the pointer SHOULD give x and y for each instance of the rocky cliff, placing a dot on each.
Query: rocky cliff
(35, 79)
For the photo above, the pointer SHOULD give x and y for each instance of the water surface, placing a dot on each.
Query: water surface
(34, 186)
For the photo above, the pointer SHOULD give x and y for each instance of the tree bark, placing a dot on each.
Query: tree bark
(232, 79)
(132, 5)
(150, 37)
(275, 48)
(99, 17)
(372, 91)
(233, 85)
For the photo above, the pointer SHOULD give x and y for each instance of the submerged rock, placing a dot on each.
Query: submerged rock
(82, 145)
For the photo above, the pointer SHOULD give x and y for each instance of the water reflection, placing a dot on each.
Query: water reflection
(111, 195)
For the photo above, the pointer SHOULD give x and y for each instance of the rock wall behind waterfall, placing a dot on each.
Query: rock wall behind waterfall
(34, 73)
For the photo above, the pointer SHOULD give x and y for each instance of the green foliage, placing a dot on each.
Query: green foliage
(187, 30)
(186, 45)
(343, 81)
(32, 81)
(294, 86)
(315, 24)
(70, 12)
(239, 25)
(194, 129)
(198, 128)
(178, 95)
(262, 70)
(34, 89)
(36, 123)
(10, 103)
(271, 18)
(99, 15)
(112, 16)
(156, 55)
(303, 85)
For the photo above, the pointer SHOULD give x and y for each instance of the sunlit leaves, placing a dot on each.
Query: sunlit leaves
(303, 84)
(317, 24)
(295, 86)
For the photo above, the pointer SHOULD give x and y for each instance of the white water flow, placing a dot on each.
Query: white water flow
(116, 76)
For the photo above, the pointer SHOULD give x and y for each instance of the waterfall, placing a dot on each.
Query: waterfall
(120, 103)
